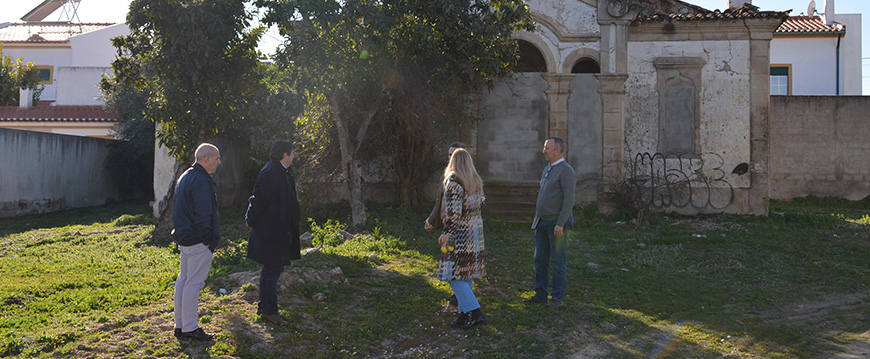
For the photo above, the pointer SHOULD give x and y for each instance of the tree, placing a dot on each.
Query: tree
(15, 74)
(403, 66)
(195, 63)
(131, 159)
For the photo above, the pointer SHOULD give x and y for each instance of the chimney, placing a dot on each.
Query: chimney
(25, 99)
(738, 3)
(828, 16)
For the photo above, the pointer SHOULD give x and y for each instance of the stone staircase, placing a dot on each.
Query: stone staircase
(510, 202)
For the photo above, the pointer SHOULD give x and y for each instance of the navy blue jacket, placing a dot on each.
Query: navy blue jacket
(194, 210)
(273, 215)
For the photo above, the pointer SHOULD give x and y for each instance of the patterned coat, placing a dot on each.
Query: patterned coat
(463, 223)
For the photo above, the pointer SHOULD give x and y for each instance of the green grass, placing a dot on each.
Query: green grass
(90, 283)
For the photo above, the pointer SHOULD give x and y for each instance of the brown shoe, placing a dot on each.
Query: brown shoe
(274, 319)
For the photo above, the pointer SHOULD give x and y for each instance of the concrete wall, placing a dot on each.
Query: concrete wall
(512, 134)
(819, 146)
(42, 172)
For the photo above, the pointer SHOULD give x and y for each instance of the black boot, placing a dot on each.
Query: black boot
(477, 319)
(460, 322)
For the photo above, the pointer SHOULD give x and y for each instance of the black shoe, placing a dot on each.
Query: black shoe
(477, 319)
(460, 322)
(534, 300)
(453, 301)
(555, 303)
(197, 334)
(178, 332)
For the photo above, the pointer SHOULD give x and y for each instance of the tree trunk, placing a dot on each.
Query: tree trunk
(350, 167)
(163, 228)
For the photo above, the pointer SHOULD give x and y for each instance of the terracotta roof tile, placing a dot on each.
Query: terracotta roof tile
(57, 114)
(45, 32)
(808, 25)
(675, 10)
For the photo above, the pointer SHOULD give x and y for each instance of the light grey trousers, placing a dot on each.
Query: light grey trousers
(195, 264)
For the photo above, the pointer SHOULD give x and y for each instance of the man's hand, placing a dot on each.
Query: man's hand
(557, 231)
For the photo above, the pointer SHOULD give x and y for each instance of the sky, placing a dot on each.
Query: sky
(116, 11)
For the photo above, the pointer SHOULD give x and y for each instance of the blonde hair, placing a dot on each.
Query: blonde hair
(462, 168)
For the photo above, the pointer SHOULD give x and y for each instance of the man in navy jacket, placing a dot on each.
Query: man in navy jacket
(273, 215)
(195, 215)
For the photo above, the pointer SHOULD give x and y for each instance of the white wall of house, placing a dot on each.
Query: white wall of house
(813, 63)
(851, 47)
(94, 49)
(80, 86)
(55, 56)
(77, 66)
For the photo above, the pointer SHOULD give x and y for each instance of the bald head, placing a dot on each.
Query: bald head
(208, 156)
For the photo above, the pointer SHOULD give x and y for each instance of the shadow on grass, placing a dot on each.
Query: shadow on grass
(81, 216)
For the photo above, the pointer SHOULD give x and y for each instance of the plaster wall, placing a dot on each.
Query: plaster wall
(565, 32)
(42, 172)
(584, 135)
(851, 47)
(819, 147)
(569, 17)
(80, 86)
(813, 63)
(724, 109)
(94, 49)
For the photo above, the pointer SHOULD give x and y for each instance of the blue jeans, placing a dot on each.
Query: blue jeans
(464, 295)
(550, 251)
(269, 288)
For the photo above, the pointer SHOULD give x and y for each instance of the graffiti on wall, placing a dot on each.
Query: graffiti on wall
(676, 181)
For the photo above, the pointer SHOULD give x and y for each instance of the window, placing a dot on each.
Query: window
(780, 79)
(45, 74)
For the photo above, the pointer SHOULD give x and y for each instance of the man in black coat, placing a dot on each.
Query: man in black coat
(273, 215)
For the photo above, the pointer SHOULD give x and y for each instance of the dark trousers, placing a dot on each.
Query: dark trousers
(269, 288)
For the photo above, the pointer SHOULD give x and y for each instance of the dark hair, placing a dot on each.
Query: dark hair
(279, 148)
(559, 142)
(457, 145)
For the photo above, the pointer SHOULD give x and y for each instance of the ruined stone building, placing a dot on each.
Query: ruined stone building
(660, 100)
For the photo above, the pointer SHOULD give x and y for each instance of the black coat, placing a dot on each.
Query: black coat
(273, 215)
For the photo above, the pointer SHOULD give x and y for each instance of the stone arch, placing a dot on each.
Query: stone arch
(531, 58)
(577, 55)
(537, 41)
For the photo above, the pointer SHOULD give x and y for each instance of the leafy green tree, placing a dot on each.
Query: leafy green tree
(15, 74)
(194, 64)
(197, 63)
(386, 74)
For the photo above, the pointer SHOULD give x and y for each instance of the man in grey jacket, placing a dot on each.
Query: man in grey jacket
(552, 223)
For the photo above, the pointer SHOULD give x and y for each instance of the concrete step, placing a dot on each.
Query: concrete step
(510, 202)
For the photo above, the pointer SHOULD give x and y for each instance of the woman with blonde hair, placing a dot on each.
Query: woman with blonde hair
(461, 240)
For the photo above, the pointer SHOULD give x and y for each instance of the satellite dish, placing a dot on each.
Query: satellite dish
(811, 8)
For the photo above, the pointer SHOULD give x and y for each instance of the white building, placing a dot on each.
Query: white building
(71, 58)
(817, 55)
